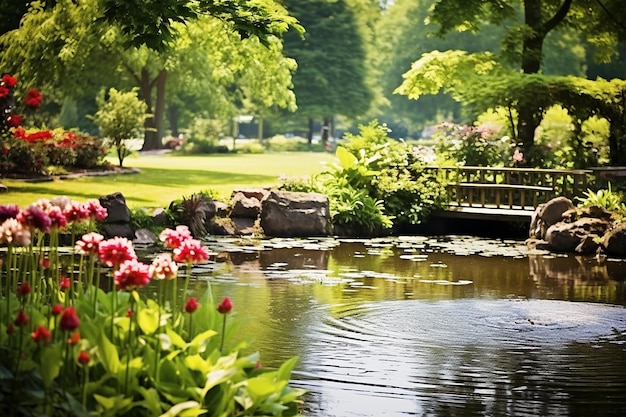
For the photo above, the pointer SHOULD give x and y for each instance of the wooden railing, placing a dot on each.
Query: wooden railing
(510, 188)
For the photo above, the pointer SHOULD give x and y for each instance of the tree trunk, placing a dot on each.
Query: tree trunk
(617, 131)
(326, 129)
(309, 136)
(529, 116)
(153, 136)
(172, 117)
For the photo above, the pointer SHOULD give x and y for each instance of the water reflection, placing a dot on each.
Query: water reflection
(452, 326)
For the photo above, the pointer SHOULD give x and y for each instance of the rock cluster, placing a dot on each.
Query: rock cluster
(559, 226)
(261, 212)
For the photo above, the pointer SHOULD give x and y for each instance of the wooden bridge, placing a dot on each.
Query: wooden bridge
(508, 194)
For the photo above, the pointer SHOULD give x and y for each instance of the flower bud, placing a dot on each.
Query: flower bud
(225, 306)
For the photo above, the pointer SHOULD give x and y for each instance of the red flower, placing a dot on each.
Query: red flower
(88, 244)
(33, 98)
(34, 218)
(173, 238)
(41, 335)
(115, 251)
(74, 338)
(95, 210)
(22, 318)
(132, 274)
(64, 283)
(4, 92)
(57, 218)
(23, 289)
(9, 80)
(191, 305)
(191, 250)
(56, 309)
(8, 211)
(10, 328)
(15, 120)
(44, 262)
(75, 211)
(225, 306)
(69, 320)
(83, 357)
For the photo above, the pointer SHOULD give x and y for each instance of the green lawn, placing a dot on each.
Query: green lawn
(164, 178)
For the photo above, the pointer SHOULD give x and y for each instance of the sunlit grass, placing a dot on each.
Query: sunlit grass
(164, 178)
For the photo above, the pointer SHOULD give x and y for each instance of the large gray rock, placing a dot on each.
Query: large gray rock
(245, 207)
(566, 237)
(295, 214)
(548, 214)
(614, 241)
(111, 230)
(117, 210)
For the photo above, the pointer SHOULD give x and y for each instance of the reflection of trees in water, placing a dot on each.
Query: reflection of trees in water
(579, 278)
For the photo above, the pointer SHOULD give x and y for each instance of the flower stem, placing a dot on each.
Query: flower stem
(223, 334)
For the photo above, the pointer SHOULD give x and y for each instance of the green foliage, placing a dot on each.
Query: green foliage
(357, 211)
(473, 146)
(251, 147)
(379, 183)
(305, 184)
(281, 143)
(604, 198)
(332, 68)
(120, 117)
(82, 350)
(153, 22)
(203, 136)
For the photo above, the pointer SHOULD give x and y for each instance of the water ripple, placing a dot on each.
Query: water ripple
(467, 357)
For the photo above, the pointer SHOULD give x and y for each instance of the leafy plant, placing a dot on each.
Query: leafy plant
(604, 198)
(390, 173)
(75, 346)
(120, 117)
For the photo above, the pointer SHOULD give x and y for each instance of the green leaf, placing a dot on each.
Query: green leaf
(346, 158)
(176, 339)
(148, 320)
(203, 337)
(183, 409)
(51, 362)
(108, 354)
(261, 386)
(284, 372)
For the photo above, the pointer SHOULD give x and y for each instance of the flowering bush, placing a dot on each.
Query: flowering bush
(31, 150)
(79, 346)
(473, 146)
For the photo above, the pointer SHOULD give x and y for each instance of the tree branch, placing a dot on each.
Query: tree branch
(558, 17)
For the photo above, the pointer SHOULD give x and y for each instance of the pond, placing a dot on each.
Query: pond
(431, 326)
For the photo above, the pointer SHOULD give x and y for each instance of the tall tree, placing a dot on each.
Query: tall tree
(331, 75)
(83, 43)
(402, 34)
(528, 24)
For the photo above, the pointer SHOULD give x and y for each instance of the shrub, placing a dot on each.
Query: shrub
(251, 147)
(120, 117)
(203, 137)
(473, 146)
(391, 173)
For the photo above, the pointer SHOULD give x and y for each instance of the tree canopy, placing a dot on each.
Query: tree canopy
(331, 78)
(528, 24)
(85, 45)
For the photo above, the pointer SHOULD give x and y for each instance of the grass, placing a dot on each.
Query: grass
(164, 178)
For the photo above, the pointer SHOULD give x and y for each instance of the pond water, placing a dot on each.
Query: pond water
(431, 326)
